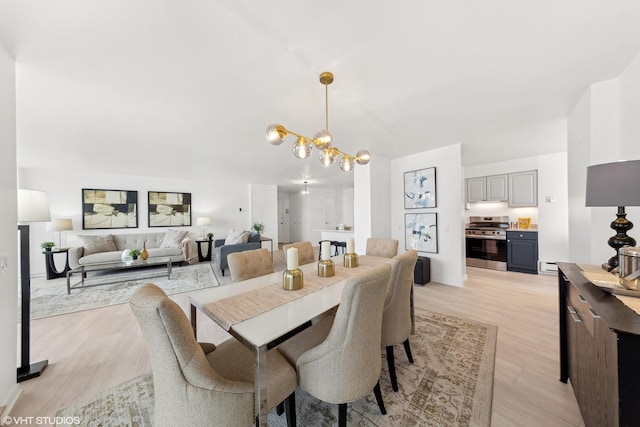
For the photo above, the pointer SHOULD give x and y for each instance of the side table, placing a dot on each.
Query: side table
(270, 240)
(207, 257)
(52, 271)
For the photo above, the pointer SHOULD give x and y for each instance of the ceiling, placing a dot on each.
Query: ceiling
(191, 86)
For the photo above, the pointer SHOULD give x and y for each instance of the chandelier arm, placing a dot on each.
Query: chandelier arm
(298, 135)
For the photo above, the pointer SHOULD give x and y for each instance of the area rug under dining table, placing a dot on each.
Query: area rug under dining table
(450, 384)
(51, 298)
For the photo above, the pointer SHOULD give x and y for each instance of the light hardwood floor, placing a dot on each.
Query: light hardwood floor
(93, 350)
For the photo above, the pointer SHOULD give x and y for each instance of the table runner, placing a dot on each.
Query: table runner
(228, 311)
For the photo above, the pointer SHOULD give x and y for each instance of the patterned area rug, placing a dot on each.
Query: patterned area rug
(450, 384)
(51, 299)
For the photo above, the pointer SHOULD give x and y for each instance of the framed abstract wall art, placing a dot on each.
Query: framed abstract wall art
(420, 188)
(421, 232)
(169, 209)
(109, 209)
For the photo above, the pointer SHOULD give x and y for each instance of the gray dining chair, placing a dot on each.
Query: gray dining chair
(396, 318)
(338, 359)
(387, 248)
(249, 264)
(201, 384)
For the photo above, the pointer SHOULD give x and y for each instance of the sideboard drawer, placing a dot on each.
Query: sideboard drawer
(583, 308)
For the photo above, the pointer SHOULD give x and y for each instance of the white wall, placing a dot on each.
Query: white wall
(448, 265)
(578, 143)
(601, 127)
(551, 217)
(227, 204)
(630, 127)
(264, 209)
(371, 210)
(8, 230)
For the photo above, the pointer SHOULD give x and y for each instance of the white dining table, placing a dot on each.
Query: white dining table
(263, 331)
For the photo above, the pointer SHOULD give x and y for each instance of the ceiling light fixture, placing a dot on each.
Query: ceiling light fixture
(322, 140)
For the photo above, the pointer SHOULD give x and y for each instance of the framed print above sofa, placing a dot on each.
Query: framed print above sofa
(103, 209)
(169, 209)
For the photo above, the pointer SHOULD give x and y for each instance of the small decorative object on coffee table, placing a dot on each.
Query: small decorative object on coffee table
(210, 236)
(134, 253)
(144, 254)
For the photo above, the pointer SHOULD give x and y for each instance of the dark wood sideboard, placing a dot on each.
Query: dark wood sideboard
(599, 351)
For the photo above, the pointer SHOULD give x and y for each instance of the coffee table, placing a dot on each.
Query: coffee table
(114, 267)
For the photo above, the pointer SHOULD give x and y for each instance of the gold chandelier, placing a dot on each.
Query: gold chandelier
(322, 140)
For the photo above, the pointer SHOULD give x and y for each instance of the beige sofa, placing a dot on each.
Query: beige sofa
(103, 248)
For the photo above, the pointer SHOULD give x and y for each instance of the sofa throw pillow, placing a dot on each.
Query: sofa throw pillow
(235, 237)
(172, 238)
(96, 244)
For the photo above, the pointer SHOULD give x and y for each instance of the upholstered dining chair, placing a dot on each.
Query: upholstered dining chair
(396, 318)
(338, 359)
(305, 252)
(387, 248)
(200, 384)
(249, 264)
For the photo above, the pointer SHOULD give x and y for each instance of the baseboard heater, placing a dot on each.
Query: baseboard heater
(545, 267)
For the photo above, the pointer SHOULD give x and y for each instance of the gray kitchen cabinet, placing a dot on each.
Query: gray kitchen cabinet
(497, 186)
(522, 251)
(476, 189)
(492, 188)
(523, 189)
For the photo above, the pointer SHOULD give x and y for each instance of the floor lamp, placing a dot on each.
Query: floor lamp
(33, 206)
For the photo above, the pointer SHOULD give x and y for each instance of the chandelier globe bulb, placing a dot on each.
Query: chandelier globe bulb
(302, 148)
(363, 157)
(276, 134)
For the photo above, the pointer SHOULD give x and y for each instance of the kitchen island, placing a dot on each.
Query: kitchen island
(335, 235)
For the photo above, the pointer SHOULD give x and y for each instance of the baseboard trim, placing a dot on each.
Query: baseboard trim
(12, 399)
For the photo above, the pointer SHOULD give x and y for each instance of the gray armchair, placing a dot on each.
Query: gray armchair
(222, 251)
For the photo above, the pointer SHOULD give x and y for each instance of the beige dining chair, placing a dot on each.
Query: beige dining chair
(396, 318)
(249, 264)
(201, 384)
(338, 359)
(305, 252)
(387, 248)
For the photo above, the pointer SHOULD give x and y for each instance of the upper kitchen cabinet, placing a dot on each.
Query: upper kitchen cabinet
(491, 188)
(523, 189)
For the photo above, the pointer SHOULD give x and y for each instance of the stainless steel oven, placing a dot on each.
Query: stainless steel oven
(486, 242)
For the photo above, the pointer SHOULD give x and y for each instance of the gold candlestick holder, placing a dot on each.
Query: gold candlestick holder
(326, 268)
(292, 280)
(350, 260)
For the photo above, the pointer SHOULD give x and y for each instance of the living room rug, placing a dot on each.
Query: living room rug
(51, 298)
(450, 384)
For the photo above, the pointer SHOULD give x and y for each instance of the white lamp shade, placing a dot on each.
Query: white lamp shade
(33, 206)
(203, 221)
(60, 225)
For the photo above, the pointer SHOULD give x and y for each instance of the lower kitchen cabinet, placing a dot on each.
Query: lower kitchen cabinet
(599, 347)
(522, 251)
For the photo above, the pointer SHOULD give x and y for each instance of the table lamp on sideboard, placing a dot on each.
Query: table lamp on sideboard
(615, 184)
